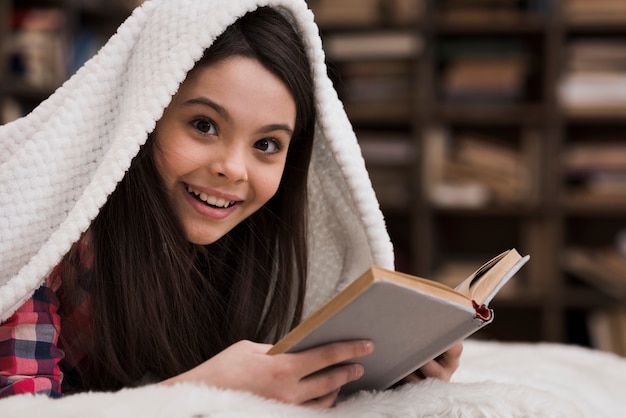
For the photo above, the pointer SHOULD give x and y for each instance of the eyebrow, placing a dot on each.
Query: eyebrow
(203, 101)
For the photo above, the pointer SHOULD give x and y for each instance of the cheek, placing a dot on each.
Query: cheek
(163, 164)
(174, 159)
(268, 185)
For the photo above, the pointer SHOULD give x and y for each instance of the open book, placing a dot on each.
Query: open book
(411, 320)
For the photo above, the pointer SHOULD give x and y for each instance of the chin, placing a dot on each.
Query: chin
(201, 241)
(198, 238)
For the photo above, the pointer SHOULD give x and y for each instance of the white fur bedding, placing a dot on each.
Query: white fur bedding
(494, 380)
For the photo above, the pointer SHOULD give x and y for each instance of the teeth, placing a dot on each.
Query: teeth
(211, 200)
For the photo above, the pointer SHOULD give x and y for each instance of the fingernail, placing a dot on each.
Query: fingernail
(368, 345)
(358, 371)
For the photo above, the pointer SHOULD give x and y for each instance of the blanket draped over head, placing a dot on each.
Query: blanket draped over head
(59, 163)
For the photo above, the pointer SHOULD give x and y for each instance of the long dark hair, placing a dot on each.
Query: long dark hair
(161, 305)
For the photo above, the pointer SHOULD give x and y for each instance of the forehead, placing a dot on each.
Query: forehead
(241, 86)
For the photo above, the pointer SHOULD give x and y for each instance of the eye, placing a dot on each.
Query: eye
(268, 145)
(204, 126)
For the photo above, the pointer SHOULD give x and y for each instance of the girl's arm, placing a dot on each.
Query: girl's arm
(29, 357)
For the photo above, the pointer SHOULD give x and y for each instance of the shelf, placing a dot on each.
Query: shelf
(112, 13)
(518, 298)
(497, 24)
(595, 114)
(584, 298)
(599, 206)
(340, 15)
(18, 4)
(24, 91)
(490, 115)
(568, 298)
(491, 211)
(606, 26)
(389, 114)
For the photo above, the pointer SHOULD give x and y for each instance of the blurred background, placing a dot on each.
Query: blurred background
(485, 124)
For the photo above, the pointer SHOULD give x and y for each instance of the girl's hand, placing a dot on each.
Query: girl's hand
(443, 367)
(302, 378)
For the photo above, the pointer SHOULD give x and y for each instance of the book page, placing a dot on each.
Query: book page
(483, 285)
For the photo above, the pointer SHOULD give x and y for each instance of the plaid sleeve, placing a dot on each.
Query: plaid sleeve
(29, 356)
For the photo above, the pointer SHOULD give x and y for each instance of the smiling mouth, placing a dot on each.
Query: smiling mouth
(213, 201)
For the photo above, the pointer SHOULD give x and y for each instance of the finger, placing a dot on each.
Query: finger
(320, 358)
(413, 378)
(450, 360)
(325, 401)
(322, 383)
(433, 369)
(443, 366)
(452, 355)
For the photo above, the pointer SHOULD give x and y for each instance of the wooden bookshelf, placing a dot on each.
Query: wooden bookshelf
(45, 41)
(593, 208)
(529, 118)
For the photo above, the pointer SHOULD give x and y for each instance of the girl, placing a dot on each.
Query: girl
(159, 218)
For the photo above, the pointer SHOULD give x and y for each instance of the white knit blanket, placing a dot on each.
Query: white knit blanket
(494, 380)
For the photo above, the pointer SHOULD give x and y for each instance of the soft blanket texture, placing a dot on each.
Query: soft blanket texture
(494, 380)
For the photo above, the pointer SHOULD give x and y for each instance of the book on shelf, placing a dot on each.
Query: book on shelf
(602, 268)
(344, 13)
(594, 75)
(411, 320)
(11, 110)
(597, 11)
(379, 44)
(602, 189)
(484, 71)
(37, 46)
(595, 155)
(439, 188)
(595, 171)
(376, 80)
(476, 12)
(607, 329)
(405, 12)
(491, 155)
(386, 148)
(388, 155)
(363, 13)
(473, 170)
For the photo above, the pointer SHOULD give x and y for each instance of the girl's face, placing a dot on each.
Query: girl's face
(221, 145)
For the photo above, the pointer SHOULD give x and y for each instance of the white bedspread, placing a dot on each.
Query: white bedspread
(494, 380)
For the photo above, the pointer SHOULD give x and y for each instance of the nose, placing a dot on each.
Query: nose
(230, 163)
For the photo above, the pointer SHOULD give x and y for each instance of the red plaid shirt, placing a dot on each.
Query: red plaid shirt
(31, 358)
